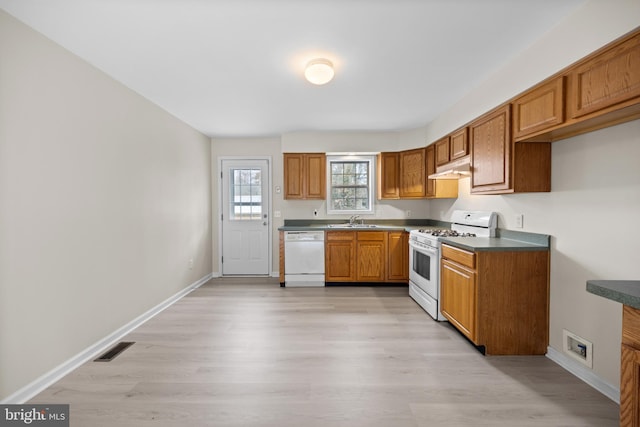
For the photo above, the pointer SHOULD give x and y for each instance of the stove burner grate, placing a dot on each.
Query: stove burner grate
(447, 233)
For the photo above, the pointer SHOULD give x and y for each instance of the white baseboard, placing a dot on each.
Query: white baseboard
(584, 373)
(46, 380)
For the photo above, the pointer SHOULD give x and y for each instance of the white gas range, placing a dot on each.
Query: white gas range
(424, 254)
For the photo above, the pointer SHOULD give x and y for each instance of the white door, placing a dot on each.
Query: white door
(245, 219)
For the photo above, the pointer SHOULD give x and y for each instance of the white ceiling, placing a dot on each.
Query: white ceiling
(234, 67)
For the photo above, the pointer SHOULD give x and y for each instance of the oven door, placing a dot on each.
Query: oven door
(424, 266)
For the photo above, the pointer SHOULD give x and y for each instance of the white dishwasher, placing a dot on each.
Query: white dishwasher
(303, 258)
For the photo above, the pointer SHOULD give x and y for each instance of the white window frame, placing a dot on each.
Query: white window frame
(371, 159)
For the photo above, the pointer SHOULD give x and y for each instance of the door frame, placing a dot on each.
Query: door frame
(270, 212)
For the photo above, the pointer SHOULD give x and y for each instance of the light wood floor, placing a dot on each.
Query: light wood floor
(249, 353)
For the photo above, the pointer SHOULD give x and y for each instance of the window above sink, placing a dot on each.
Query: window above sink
(350, 184)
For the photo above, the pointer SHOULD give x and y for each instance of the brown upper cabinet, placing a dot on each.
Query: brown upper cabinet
(413, 178)
(458, 144)
(442, 151)
(609, 78)
(389, 175)
(491, 152)
(539, 109)
(451, 147)
(500, 165)
(402, 175)
(304, 175)
(602, 89)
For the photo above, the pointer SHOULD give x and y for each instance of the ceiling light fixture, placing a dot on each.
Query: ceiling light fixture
(319, 71)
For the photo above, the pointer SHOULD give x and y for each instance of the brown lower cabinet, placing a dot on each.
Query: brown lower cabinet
(398, 256)
(339, 256)
(366, 256)
(370, 256)
(497, 299)
(630, 368)
(458, 294)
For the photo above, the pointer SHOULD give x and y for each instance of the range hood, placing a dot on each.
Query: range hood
(457, 169)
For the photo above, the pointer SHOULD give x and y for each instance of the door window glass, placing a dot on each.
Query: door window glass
(246, 194)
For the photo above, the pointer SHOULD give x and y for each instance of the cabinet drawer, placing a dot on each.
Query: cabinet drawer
(372, 235)
(460, 256)
(631, 326)
(339, 235)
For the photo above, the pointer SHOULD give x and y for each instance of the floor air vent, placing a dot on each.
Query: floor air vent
(114, 352)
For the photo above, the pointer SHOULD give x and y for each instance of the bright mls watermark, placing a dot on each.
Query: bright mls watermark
(34, 415)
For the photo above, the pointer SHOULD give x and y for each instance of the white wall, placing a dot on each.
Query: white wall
(104, 198)
(595, 185)
(374, 142)
(594, 25)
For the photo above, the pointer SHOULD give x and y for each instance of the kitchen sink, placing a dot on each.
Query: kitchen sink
(352, 225)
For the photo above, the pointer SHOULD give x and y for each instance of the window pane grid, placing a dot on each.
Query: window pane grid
(246, 197)
(349, 185)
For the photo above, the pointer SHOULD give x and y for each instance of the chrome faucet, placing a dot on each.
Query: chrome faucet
(355, 218)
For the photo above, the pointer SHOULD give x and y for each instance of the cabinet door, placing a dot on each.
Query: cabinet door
(608, 79)
(293, 176)
(458, 144)
(430, 154)
(412, 173)
(443, 154)
(389, 176)
(398, 259)
(491, 152)
(339, 261)
(458, 297)
(630, 387)
(315, 175)
(539, 109)
(370, 259)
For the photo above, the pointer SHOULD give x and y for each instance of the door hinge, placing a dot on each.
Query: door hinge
(221, 260)
(220, 174)
(221, 217)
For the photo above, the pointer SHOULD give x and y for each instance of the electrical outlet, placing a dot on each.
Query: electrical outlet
(408, 214)
(315, 212)
(191, 264)
(519, 220)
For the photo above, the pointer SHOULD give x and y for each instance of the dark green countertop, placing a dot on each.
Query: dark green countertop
(505, 240)
(382, 224)
(326, 227)
(480, 244)
(626, 292)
